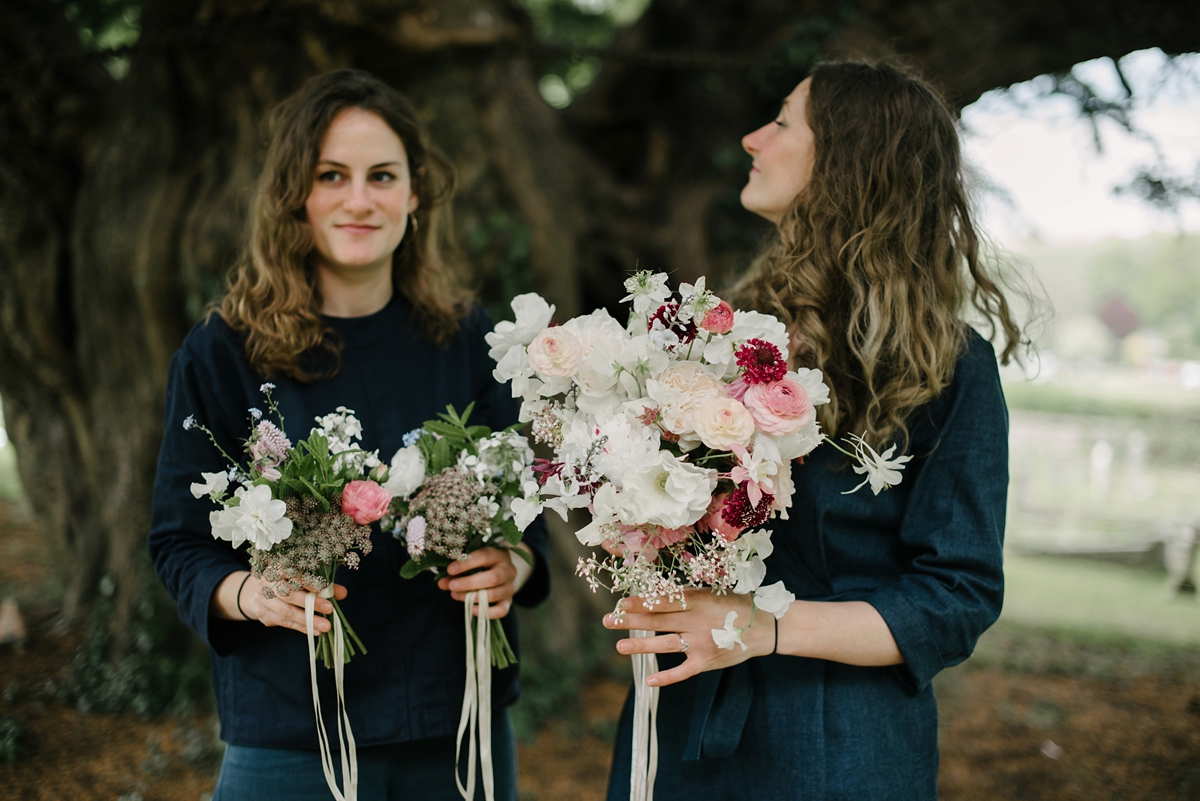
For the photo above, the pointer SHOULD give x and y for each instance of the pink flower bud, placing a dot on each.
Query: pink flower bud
(365, 501)
(718, 320)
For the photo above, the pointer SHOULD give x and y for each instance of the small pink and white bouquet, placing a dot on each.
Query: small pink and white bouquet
(304, 509)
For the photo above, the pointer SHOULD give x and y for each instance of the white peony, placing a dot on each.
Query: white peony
(532, 313)
(722, 422)
(555, 352)
(263, 519)
(667, 492)
(774, 599)
(214, 486)
(406, 473)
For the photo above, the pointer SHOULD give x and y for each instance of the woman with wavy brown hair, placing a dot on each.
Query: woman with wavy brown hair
(875, 268)
(345, 297)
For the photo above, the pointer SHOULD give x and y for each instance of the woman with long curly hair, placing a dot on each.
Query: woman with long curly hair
(346, 296)
(874, 269)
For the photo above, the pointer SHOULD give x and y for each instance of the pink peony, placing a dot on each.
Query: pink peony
(718, 320)
(365, 501)
(780, 407)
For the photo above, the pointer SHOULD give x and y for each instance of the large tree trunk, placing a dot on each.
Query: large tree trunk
(122, 202)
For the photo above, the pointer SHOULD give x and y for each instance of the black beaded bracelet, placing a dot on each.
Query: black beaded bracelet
(247, 617)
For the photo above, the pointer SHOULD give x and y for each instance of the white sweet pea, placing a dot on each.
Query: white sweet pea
(774, 599)
(406, 473)
(214, 486)
(513, 364)
(525, 510)
(263, 519)
(532, 313)
(750, 569)
(726, 637)
(882, 471)
(225, 527)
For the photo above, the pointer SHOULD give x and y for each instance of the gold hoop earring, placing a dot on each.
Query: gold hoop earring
(412, 219)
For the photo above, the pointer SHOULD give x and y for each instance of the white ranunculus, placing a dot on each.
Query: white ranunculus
(774, 599)
(263, 519)
(214, 485)
(722, 422)
(406, 472)
(726, 638)
(225, 527)
(668, 492)
(555, 352)
(532, 313)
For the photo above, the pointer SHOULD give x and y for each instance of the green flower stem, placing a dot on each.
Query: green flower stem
(502, 652)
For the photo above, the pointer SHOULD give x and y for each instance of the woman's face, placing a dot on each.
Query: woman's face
(783, 158)
(361, 195)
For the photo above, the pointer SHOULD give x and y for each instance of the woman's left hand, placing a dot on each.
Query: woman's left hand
(497, 574)
(694, 625)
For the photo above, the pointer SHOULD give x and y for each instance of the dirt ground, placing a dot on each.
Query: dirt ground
(1005, 734)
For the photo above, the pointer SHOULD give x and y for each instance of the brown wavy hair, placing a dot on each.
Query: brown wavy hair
(877, 260)
(273, 296)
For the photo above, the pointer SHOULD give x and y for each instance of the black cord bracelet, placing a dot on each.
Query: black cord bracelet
(247, 617)
(775, 650)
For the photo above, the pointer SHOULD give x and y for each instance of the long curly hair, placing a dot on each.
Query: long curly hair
(273, 295)
(877, 260)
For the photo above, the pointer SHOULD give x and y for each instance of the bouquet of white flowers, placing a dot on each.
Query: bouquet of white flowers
(305, 510)
(676, 431)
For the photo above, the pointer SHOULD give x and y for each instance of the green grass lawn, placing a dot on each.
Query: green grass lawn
(1095, 598)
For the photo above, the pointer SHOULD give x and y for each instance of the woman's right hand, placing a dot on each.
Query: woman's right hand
(286, 611)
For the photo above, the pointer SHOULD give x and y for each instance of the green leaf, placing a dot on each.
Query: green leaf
(316, 493)
(510, 532)
(524, 554)
(413, 567)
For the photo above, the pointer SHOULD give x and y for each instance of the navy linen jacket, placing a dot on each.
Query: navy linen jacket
(409, 685)
(926, 554)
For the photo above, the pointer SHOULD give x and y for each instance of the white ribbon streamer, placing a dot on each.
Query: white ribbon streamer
(477, 699)
(645, 725)
(345, 736)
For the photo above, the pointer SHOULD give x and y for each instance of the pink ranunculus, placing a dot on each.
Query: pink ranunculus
(736, 389)
(555, 352)
(718, 320)
(779, 407)
(365, 501)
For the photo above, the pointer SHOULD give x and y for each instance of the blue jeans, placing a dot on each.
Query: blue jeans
(421, 769)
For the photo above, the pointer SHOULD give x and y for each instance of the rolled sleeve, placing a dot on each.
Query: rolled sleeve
(952, 531)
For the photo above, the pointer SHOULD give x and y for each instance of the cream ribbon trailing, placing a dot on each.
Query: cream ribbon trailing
(477, 699)
(345, 736)
(645, 725)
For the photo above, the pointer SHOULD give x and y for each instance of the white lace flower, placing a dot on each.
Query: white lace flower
(774, 599)
(263, 519)
(214, 486)
(726, 638)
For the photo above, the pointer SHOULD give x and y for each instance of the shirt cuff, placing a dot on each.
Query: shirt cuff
(922, 659)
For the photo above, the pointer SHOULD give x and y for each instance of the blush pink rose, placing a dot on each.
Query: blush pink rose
(718, 320)
(365, 501)
(779, 407)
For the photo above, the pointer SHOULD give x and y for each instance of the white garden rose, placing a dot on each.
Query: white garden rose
(555, 352)
(668, 492)
(406, 472)
(679, 391)
(533, 314)
(721, 422)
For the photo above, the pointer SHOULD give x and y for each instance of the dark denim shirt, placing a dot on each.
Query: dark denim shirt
(926, 554)
(409, 685)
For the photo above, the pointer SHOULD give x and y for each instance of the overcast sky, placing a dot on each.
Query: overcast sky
(1041, 156)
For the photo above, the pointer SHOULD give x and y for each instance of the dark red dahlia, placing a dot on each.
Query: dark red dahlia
(668, 315)
(762, 361)
(740, 513)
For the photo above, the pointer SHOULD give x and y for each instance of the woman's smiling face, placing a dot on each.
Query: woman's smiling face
(361, 194)
(783, 158)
